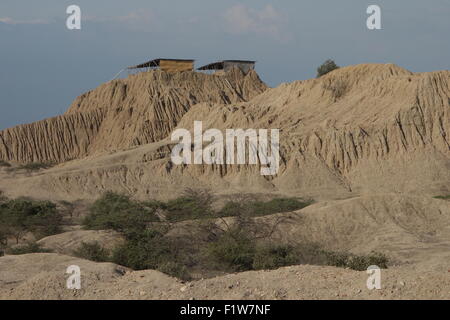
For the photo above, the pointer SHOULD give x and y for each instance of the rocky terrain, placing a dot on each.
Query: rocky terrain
(140, 109)
(369, 143)
(47, 280)
(386, 131)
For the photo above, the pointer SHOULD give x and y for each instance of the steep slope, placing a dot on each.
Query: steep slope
(376, 126)
(140, 109)
(56, 139)
(357, 130)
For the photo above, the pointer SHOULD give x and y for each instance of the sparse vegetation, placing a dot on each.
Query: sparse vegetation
(447, 197)
(326, 67)
(120, 213)
(92, 251)
(68, 207)
(274, 256)
(20, 216)
(256, 208)
(193, 204)
(227, 240)
(175, 269)
(233, 250)
(3, 163)
(355, 262)
(27, 248)
(244, 244)
(150, 249)
(243, 254)
(337, 87)
(35, 166)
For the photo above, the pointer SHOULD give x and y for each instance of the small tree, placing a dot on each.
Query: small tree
(92, 251)
(193, 204)
(120, 213)
(326, 67)
(20, 216)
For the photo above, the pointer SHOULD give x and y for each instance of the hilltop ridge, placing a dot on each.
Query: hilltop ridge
(358, 129)
(123, 113)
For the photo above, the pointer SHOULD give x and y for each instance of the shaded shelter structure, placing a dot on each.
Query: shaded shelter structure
(167, 65)
(226, 65)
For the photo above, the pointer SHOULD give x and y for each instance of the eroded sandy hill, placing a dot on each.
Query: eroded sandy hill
(369, 142)
(122, 113)
(376, 127)
(358, 130)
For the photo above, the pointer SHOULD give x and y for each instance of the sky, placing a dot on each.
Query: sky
(45, 66)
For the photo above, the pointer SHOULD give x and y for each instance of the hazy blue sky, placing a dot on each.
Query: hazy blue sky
(44, 66)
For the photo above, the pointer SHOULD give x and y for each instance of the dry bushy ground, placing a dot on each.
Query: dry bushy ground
(414, 233)
(46, 280)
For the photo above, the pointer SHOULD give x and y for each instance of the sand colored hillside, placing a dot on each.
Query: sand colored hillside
(370, 143)
(358, 130)
(388, 129)
(122, 113)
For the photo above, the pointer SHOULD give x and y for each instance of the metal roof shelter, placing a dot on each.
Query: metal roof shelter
(169, 65)
(244, 65)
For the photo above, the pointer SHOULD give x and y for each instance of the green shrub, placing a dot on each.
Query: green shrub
(150, 249)
(35, 166)
(326, 67)
(278, 206)
(175, 269)
(183, 208)
(143, 250)
(92, 251)
(447, 197)
(261, 208)
(3, 198)
(27, 248)
(236, 244)
(241, 253)
(21, 215)
(356, 262)
(233, 250)
(3, 163)
(193, 204)
(120, 213)
(67, 208)
(275, 256)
